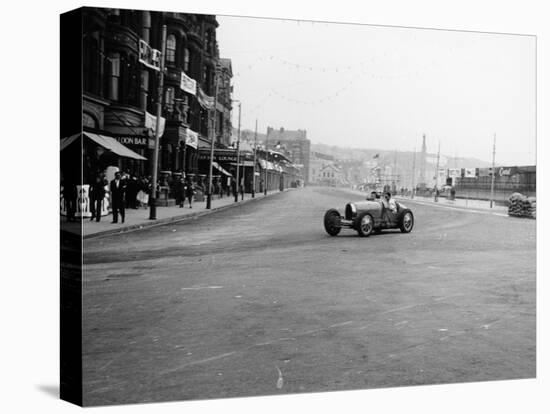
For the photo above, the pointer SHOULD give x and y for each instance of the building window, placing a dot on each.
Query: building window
(186, 60)
(171, 49)
(114, 76)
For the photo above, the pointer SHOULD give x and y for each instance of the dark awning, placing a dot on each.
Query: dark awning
(221, 169)
(106, 142)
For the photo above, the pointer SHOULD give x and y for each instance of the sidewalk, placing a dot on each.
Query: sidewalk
(461, 203)
(138, 219)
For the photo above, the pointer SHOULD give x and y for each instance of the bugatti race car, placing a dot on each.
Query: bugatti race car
(369, 216)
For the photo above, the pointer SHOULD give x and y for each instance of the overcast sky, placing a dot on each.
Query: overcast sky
(383, 87)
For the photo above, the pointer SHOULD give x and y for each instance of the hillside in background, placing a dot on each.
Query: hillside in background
(403, 159)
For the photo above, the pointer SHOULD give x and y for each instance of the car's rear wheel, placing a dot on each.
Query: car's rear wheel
(365, 225)
(332, 222)
(407, 222)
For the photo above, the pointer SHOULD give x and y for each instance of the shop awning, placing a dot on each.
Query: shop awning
(106, 142)
(221, 169)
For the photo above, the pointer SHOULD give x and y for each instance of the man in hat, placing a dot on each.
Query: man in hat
(118, 188)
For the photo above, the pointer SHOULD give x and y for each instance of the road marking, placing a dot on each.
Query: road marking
(340, 324)
(200, 361)
(280, 379)
(202, 287)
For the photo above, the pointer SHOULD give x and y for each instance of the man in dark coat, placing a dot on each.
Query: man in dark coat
(118, 188)
(69, 195)
(97, 194)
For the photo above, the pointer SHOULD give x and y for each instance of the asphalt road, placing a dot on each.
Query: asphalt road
(259, 300)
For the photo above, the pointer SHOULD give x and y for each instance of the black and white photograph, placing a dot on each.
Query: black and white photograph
(282, 205)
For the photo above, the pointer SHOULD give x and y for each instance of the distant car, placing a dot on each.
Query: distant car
(367, 217)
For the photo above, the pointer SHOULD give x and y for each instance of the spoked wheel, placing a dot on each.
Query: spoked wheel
(332, 222)
(407, 222)
(365, 225)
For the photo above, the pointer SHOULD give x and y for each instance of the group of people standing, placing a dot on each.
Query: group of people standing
(184, 189)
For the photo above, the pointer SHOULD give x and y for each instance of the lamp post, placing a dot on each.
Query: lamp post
(237, 183)
(153, 201)
(254, 162)
(493, 172)
(212, 139)
(266, 157)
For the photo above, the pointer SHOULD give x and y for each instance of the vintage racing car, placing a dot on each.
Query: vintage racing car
(369, 216)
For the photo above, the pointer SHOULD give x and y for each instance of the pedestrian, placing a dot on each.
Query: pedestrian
(97, 194)
(70, 195)
(131, 192)
(118, 189)
(181, 189)
(234, 188)
(189, 193)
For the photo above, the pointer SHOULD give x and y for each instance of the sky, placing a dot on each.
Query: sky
(383, 87)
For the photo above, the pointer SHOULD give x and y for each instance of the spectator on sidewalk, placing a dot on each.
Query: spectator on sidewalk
(118, 190)
(97, 194)
(131, 192)
(69, 195)
(190, 192)
(181, 188)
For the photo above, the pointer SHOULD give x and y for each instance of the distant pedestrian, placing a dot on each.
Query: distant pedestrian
(131, 192)
(70, 195)
(97, 194)
(190, 193)
(118, 189)
(181, 188)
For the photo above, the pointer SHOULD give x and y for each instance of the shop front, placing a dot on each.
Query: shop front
(102, 156)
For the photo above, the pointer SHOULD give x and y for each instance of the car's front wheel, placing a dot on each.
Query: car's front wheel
(407, 222)
(365, 225)
(332, 222)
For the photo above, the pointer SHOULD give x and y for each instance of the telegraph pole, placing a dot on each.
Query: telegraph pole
(254, 164)
(266, 157)
(237, 184)
(213, 138)
(414, 166)
(437, 171)
(395, 176)
(153, 201)
(493, 171)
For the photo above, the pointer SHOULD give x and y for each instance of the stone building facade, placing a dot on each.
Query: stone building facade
(120, 91)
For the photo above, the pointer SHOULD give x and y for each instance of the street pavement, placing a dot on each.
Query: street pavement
(137, 219)
(259, 300)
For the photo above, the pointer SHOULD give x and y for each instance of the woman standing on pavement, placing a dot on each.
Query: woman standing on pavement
(189, 192)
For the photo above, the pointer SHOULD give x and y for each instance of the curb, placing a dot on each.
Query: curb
(452, 206)
(175, 219)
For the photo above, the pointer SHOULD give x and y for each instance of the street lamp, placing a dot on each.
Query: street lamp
(153, 196)
(237, 183)
(254, 162)
(213, 138)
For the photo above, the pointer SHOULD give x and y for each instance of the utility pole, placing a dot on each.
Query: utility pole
(237, 184)
(437, 165)
(395, 176)
(153, 201)
(493, 171)
(254, 162)
(266, 157)
(437, 173)
(414, 166)
(213, 139)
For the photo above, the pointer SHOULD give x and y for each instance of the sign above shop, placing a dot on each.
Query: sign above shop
(134, 141)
